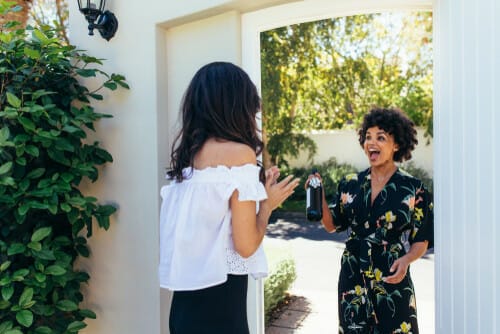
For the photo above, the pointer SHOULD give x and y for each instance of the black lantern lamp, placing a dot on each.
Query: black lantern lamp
(107, 24)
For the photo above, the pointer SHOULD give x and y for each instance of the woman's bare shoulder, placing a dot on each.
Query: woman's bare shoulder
(227, 153)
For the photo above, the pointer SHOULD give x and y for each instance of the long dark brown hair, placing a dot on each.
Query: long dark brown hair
(220, 102)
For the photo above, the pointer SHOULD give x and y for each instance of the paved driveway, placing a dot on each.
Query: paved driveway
(317, 257)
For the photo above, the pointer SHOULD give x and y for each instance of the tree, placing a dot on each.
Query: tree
(39, 13)
(327, 74)
(20, 13)
(54, 13)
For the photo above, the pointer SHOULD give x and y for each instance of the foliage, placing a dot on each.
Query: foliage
(420, 174)
(281, 277)
(326, 74)
(331, 173)
(45, 115)
(53, 13)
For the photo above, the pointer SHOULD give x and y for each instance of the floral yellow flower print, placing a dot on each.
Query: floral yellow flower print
(419, 214)
(390, 217)
(379, 230)
(404, 328)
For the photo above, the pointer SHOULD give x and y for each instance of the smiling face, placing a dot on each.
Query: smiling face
(379, 147)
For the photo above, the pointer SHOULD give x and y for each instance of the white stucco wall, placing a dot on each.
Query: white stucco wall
(158, 46)
(344, 146)
(157, 61)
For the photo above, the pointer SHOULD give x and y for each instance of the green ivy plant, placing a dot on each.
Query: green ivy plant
(45, 220)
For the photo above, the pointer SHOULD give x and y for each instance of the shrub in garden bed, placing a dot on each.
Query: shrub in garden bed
(282, 274)
(332, 172)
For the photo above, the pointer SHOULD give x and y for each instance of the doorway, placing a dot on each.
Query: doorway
(256, 22)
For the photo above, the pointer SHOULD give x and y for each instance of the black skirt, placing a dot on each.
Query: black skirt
(221, 309)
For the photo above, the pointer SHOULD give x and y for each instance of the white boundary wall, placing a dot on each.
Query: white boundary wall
(344, 146)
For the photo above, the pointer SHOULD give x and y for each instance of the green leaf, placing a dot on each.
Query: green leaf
(24, 185)
(41, 234)
(34, 54)
(67, 177)
(5, 168)
(16, 248)
(4, 133)
(5, 265)
(25, 318)
(26, 297)
(32, 150)
(19, 275)
(75, 326)
(40, 36)
(13, 100)
(21, 161)
(5, 280)
(5, 326)
(40, 277)
(35, 245)
(67, 305)
(55, 270)
(111, 85)
(83, 250)
(43, 330)
(86, 73)
(65, 207)
(36, 173)
(78, 201)
(7, 292)
(103, 222)
(97, 97)
(4, 304)
(23, 209)
(27, 123)
(106, 210)
(14, 331)
(87, 313)
(7, 181)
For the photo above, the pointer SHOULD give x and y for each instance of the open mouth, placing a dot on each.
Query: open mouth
(373, 154)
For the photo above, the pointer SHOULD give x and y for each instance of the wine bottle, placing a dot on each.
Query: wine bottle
(314, 193)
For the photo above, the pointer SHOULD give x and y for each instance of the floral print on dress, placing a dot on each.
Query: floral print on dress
(402, 213)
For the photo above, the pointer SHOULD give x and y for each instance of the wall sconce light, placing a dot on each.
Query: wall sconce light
(107, 24)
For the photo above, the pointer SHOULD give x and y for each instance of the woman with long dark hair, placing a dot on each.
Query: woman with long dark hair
(215, 211)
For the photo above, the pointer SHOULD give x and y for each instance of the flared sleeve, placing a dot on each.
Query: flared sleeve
(423, 217)
(245, 179)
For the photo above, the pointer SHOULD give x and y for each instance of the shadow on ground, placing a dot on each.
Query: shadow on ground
(288, 225)
(292, 225)
(289, 315)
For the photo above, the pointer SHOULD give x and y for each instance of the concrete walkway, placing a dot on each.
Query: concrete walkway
(313, 309)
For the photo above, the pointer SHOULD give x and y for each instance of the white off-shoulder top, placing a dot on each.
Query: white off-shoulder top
(196, 247)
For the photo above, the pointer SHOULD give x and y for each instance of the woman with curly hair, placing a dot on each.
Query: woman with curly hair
(215, 211)
(390, 217)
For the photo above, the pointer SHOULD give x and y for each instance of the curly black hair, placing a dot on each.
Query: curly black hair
(397, 124)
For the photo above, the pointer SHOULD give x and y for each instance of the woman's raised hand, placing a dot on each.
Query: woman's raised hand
(278, 192)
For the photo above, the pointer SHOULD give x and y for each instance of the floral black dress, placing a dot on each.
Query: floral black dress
(401, 214)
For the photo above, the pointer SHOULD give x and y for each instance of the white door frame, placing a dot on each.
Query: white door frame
(253, 23)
